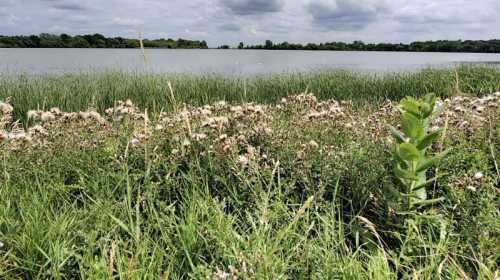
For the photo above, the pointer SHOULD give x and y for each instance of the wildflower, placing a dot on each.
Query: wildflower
(222, 136)
(38, 129)
(158, 127)
(56, 111)
(199, 136)
(206, 112)
(186, 142)
(313, 144)
(236, 109)
(135, 142)
(97, 117)
(47, 116)
(6, 108)
(439, 103)
(243, 160)
(241, 138)
(109, 111)
(434, 128)
(94, 115)
(84, 115)
(221, 275)
(478, 175)
(69, 116)
(234, 272)
(32, 114)
(479, 109)
(243, 263)
(20, 135)
(471, 188)
(215, 122)
(251, 150)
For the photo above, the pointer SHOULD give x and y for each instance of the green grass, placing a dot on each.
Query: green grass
(83, 203)
(74, 92)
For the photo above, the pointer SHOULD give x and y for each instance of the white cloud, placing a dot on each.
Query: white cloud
(127, 21)
(252, 21)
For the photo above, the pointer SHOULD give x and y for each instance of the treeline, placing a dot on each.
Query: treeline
(46, 40)
(480, 46)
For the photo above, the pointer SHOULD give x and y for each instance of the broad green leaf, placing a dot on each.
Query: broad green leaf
(429, 162)
(430, 99)
(426, 110)
(411, 126)
(427, 140)
(396, 134)
(421, 193)
(399, 159)
(391, 191)
(409, 152)
(423, 203)
(404, 174)
(410, 105)
(426, 164)
(424, 184)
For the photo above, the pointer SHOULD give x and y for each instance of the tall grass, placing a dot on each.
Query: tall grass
(269, 192)
(86, 204)
(73, 92)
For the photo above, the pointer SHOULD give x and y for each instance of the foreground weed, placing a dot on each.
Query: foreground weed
(410, 154)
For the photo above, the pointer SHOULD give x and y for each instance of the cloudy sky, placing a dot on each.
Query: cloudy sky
(252, 21)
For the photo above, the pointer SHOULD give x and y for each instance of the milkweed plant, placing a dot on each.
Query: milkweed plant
(411, 157)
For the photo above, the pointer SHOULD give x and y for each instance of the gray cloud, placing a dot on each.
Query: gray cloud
(345, 14)
(70, 6)
(5, 3)
(233, 27)
(253, 21)
(252, 7)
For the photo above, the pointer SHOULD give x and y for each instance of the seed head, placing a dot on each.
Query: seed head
(47, 116)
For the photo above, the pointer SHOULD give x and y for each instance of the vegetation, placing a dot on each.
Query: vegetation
(45, 40)
(292, 187)
(74, 92)
(478, 46)
(412, 162)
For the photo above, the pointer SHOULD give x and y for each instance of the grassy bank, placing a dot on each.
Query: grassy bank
(77, 92)
(293, 188)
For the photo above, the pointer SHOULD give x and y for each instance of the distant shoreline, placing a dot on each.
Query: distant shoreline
(249, 49)
(99, 41)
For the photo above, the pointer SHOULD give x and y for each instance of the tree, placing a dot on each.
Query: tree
(269, 45)
(241, 45)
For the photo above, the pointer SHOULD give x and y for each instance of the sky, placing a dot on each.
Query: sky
(253, 21)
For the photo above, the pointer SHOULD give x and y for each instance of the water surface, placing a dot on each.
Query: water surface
(239, 62)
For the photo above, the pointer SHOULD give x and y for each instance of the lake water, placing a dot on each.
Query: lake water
(239, 62)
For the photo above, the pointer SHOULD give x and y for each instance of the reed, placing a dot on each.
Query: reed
(74, 92)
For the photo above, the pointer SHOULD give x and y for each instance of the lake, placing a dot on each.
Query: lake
(239, 62)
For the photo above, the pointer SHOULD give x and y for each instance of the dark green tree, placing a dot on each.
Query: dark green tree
(268, 45)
